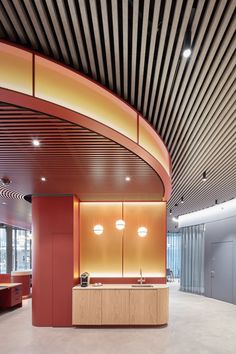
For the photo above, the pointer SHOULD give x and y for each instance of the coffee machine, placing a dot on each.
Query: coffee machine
(84, 279)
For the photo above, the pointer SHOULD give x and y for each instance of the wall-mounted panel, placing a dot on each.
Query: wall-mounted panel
(62, 86)
(104, 256)
(55, 231)
(15, 69)
(148, 253)
(100, 255)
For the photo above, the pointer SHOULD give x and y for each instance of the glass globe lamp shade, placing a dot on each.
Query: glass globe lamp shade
(98, 229)
(142, 231)
(120, 224)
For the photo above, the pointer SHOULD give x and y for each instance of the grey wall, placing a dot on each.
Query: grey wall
(218, 231)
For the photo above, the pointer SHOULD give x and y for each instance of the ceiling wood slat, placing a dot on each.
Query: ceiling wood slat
(135, 49)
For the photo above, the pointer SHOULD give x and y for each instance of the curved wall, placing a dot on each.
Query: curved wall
(54, 89)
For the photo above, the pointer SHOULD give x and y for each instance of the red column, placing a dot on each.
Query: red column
(55, 259)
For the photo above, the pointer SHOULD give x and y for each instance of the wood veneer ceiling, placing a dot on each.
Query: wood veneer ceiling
(73, 159)
(134, 48)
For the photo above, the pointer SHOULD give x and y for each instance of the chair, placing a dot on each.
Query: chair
(169, 275)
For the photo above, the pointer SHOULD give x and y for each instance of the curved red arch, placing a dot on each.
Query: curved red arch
(140, 137)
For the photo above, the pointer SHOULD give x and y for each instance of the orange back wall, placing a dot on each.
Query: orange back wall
(118, 253)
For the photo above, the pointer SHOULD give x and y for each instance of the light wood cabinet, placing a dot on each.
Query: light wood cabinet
(162, 306)
(87, 309)
(115, 307)
(120, 305)
(143, 307)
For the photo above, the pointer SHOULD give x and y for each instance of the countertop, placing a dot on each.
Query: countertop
(121, 287)
(4, 286)
(22, 272)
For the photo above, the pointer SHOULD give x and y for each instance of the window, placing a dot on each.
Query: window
(21, 249)
(3, 250)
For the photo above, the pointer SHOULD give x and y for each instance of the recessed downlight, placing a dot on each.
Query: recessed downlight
(127, 178)
(187, 52)
(43, 179)
(35, 142)
(4, 203)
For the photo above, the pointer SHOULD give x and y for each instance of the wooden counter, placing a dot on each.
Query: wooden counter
(10, 295)
(120, 304)
(23, 277)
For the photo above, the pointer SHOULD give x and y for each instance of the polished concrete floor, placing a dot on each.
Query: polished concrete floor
(197, 325)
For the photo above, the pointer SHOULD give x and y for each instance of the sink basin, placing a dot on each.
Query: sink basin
(142, 285)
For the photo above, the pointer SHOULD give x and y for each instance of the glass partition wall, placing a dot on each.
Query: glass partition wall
(15, 249)
(173, 255)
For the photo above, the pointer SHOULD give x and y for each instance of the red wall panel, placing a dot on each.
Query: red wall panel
(55, 231)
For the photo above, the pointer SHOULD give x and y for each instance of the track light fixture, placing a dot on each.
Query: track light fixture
(187, 51)
(175, 219)
(182, 200)
(216, 201)
(204, 176)
(170, 211)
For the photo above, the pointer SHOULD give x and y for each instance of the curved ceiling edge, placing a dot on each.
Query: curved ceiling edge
(35, 82)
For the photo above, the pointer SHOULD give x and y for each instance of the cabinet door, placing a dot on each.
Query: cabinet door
(115, 307)
(143, 307)
(162, 306)
(86, 306)
(16, 295)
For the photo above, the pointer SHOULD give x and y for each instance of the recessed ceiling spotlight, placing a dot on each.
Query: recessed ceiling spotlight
(5, 181)
(204, 176)
(127, 178)
(187, 53)
(182, 200)
(43, 179)
(35, 142)
(187, 44)
(4, 203)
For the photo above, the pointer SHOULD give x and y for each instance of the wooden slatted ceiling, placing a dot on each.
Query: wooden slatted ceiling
(72, 158)
(134, 48)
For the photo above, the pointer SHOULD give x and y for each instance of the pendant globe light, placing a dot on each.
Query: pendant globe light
(98, 229)
(142, 231)
(120, 224)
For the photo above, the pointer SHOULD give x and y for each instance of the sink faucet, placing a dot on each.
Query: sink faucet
(141, 280)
